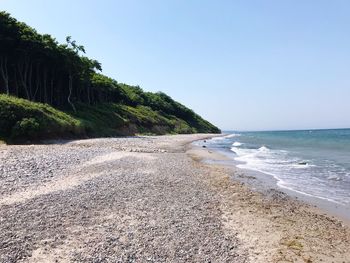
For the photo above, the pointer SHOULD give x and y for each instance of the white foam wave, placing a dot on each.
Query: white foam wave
(297, 165)
(334, 177)
(264, 149)
(262, 152)
(221, 138)
(284, 185)
(263, 167)
(237, 144)
(242, 152)
(282, 168)
(218, 138)
(233, 135)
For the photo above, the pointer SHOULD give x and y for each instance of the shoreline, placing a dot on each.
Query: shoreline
(295, 224)
(261, 182)
(150, 198)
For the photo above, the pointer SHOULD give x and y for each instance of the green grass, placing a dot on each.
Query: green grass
(22, 120)
(100, 120)
(109, 119)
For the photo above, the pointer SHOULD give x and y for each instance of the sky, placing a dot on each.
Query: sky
(242, 65)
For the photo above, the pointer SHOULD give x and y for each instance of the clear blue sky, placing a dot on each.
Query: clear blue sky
(243, 65)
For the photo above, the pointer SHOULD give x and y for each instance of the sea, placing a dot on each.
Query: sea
(312, 163)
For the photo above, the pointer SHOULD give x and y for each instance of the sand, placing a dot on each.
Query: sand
(272, 226)
(150, 199)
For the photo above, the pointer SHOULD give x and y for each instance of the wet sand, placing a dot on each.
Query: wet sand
(272, 226)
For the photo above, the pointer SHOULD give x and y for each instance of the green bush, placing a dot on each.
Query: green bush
(26, 128)
(22, 119)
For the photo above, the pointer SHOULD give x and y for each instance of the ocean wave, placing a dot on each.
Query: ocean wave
(285, 174)
(301, 165)
(224, 138)
(237, 144)
(233, 135)
(264, 149)
(242, 151)
(218, 138)
(334, 177)
(306, 172)
(284, 185)
(286, 170)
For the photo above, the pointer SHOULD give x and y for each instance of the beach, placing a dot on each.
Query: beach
(151, 199)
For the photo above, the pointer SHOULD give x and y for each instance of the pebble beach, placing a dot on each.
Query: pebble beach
(150, 199)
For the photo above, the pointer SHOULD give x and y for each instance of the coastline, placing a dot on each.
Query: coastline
(150, 198)
(274, 226)
(262, 182)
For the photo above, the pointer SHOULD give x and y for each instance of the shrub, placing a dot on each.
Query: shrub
(22, 119)
(26, 128)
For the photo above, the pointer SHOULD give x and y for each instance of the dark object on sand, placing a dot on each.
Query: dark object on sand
(204, 146)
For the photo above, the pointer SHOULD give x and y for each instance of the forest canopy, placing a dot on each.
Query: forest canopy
(37, 68)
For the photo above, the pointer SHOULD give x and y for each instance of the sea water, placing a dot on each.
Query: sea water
(314, 163)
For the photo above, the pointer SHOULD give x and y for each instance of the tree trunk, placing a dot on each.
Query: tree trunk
(23, 77)
(88, 93)
(70, 85)
(37, 83)
(29, 73)
(4, 73)
(51, 86)
(15, 81)
(45, 85)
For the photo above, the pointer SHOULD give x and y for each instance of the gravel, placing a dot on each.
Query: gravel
(110, 200)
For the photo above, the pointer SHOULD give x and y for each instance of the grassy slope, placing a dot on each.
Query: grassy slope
(21, 120)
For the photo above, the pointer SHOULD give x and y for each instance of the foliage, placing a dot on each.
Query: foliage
(27, 127)
(22, 119)
(39, 69)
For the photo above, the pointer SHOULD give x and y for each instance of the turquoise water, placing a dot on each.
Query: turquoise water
(315, 163)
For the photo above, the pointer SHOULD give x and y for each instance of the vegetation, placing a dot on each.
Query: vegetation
(63, 93)
(21, 119)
